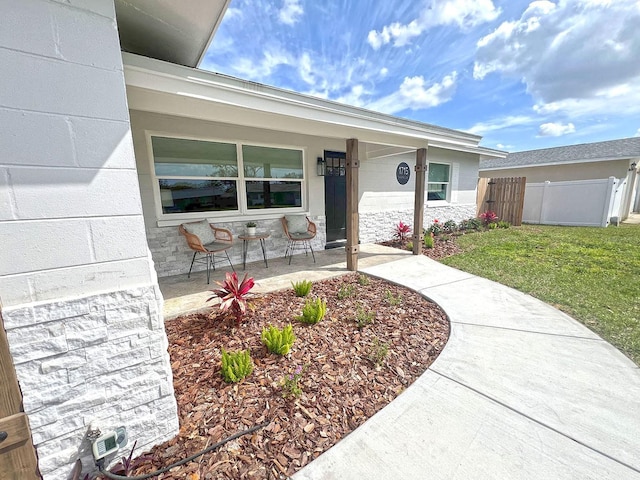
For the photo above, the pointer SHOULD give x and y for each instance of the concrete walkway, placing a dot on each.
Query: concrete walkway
(521, 391)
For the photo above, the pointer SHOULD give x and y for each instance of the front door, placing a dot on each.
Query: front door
(335, 195)
(17, 456)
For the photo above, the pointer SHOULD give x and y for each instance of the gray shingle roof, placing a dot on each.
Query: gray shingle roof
(609, 150)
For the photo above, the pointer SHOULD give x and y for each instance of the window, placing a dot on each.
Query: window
(438, 183)
(204, 176)
(263, 169)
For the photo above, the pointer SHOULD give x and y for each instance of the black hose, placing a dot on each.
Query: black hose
(113, 476)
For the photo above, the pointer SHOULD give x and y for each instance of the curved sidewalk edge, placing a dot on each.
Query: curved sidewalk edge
(521, 391)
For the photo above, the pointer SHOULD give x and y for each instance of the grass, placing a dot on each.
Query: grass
(593, 274)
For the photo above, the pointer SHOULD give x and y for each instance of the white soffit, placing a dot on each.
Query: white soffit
(177, 31)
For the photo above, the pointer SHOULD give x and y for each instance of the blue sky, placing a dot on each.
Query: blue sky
(521, 74)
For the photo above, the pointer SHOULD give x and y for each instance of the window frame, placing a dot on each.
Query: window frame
(243, 213)
(448, 183)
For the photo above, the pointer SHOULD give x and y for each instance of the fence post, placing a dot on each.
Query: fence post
(608, 201)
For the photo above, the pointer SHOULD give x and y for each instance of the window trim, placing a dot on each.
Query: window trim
(447, 199)
(243, 213)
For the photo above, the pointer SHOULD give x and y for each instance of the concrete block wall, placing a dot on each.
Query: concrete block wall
(77, 285)
(100, 358)
(380, 226)
(172, 256)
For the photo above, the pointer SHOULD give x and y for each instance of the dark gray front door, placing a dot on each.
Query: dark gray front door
(335, 195)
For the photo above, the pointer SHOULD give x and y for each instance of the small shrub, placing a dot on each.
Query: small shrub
(364, 318)
(436, 227)
(233, 295)
(503, 224)
(278, 341)
(492, 226)
(428, 240)
(402, 231)
(363, 280)
(394, 300)
(378, 352)
(346, 291)
(313, 311)
(302, 288)
(291, 383)
(450, 226)
(488, 218)
(236, 365)
(409, 246)
(476, 223)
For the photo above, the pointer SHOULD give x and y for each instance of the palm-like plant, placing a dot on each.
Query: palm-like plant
(233, 294)
(402, 231)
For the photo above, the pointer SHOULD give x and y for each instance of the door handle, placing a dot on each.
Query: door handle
(3, 436)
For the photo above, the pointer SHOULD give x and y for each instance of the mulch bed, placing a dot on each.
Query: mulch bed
(341, 385)
(443, 246)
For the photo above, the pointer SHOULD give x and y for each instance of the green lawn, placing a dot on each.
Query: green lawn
(593, 274)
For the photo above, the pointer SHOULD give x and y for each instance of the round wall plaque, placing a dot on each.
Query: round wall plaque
(403, 172)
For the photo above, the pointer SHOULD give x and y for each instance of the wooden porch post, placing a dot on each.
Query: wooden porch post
(418, 208)
(353, 219)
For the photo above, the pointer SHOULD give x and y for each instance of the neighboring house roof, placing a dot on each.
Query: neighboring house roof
(175, 31)
(154, 86)
(625, 148)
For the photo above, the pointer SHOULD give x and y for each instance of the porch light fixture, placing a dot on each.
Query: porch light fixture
(321, 166)
(633, 166)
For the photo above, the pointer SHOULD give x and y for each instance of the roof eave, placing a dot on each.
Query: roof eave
(158, 76)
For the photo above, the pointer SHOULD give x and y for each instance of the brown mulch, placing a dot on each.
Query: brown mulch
(342, 387)
(443, 246)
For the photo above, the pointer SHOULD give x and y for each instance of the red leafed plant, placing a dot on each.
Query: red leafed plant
(488, 217)
(233, 295)
(402, 231)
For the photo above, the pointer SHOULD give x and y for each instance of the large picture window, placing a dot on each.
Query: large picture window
(204, 176)
(438, 183)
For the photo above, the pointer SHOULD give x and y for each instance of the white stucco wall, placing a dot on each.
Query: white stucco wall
(559, 173)
(384, 202)
(81, 305)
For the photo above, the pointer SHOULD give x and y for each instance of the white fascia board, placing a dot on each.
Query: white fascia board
(482, 151)
(312, 115)
(552, 164)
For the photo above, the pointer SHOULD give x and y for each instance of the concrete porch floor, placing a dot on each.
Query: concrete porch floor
(184, 295)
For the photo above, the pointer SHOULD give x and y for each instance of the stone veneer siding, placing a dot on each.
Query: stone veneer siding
(172, 256)
(380, 226)
(100, 358)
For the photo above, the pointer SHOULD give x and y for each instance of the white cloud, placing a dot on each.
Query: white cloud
(637, 133)
(232, 13)
(555, 129)
(575, 57)
(414, 93)
(384, 71)
(290, 12)
(261, 69)
(461, 13)
(501, 123)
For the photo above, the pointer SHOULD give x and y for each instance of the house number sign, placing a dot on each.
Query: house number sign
(403, 173)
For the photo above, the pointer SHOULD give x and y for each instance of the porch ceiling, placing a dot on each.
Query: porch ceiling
(170, 30)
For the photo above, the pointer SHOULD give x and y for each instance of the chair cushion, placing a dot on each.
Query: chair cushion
(202, 230)
(296, 223)
(301, 236)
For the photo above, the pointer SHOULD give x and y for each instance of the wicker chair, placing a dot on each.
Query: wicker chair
(298, 236)
(206, 243)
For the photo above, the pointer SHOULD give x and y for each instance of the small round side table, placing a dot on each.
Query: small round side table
(245, 247)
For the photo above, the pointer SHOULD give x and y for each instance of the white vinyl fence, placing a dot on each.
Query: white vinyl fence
(583, 202)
